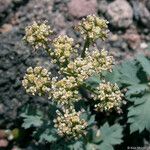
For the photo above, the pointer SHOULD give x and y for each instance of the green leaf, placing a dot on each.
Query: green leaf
(31, 117)
(145, 63)
(137, 89)
(93, 139)
(93, 81)
(114, 76)
(61, 145)
(47, 132)
(138, 115)
(123, 74)
(128, 72)
(91, 120)
(110, 135)
(88, 117)
(78, 145)
(67, 145)
(105, 137)
(91, 146)
(96, 136)
(31, 121)
(48, 135)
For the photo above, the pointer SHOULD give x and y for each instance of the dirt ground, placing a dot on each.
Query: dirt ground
(129, 35)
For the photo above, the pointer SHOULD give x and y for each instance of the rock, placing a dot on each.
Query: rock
(143, 45)
(59, 20)
(82, 8)
(16, 148)
(2, 134)
(144, 15)
(102, 6)
(148, 4)
(141, 13)
(133, 39)
(120, 14)
(6, 28)
(4, 4)
(2, 109)
(3, 143)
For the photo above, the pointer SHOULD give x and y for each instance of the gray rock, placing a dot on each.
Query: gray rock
(4, 4)
(82, 8)
(148, 4)
(12, 69)
(120, 14)
(102, 6)
(141, 13)
(2, 109)
(133, 39)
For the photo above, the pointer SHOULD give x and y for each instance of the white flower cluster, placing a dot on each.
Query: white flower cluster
(70, 124)
(63, 49)
(101, 61)
(80, 68)
(37, 80)
(94, 62)
(37, 35)
(93, 27)
(65, 91)
(108, 97)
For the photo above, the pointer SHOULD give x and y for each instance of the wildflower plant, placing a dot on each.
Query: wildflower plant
(72, 121)
(88, 85)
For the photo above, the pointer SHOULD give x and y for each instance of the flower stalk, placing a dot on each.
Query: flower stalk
(86, 47)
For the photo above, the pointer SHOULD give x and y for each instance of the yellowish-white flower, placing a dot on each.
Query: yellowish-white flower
(93, 27)
(70, 124)
(101, 61)
(37, 35)
(93, 62)
(80, 68)
(63, 49)
(37, 80)
(65, 91)
(108, 97)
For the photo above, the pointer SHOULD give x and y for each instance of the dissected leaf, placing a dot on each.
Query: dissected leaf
(91, 146)
(114, 76)
(125, 73)
(31, 117)
(47, 132)
(88, 117)
(145, 63)
(110, 135)
(128, 72)
(138, 115)
(93, 81)
(78, 145)
(68, 145)
(61, 145)
(48, 135)
(137, 89)
(31, 121)
(105, 137)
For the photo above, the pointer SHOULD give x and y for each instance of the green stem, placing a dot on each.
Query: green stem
(89, 88)
(86, 45)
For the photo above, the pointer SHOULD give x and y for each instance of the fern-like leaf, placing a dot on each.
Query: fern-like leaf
(31, 117)
(145, 63)
(138, 115)
(107, 137)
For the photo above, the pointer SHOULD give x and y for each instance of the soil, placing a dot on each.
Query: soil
(125, 41)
